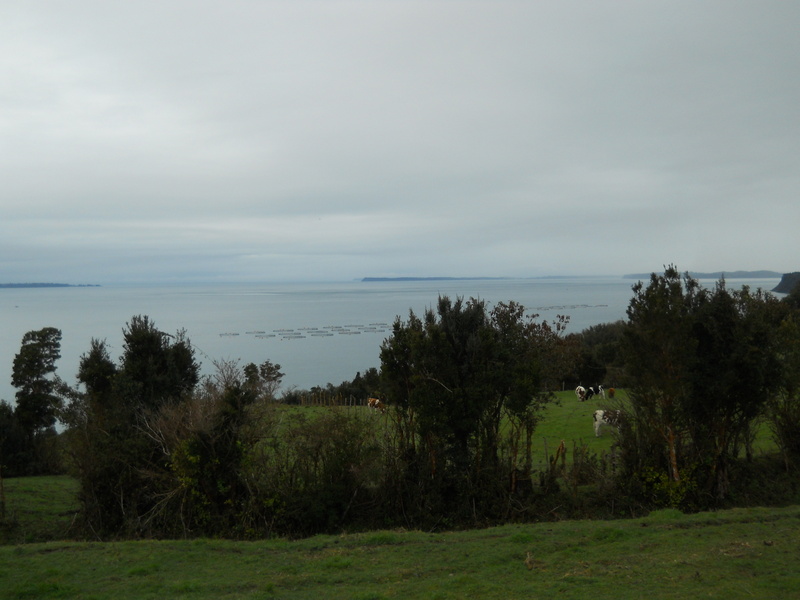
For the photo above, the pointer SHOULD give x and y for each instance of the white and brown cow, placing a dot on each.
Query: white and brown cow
(580, 392)
(376, 404)
(612, 418)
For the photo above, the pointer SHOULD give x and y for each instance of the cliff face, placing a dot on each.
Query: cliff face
(788, 282)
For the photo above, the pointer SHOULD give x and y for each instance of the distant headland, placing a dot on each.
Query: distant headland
(695, 275)
(718, 274)
(45, 285)
(789, 281)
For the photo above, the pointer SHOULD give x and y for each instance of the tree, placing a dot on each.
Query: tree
(117, 457)
(264, 379)
(157, 368)
(736, 371)
(37, 400)
(453, 375)
(784, 407)
(599, 362)
(701, 365)
(96, 371)
(658, 350)
(34, 366)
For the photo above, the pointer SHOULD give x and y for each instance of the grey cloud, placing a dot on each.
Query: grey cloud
(340, 139)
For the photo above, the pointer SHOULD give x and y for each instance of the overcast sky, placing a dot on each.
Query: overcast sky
(178, 140)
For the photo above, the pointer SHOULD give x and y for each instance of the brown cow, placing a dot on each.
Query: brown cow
(376, 404)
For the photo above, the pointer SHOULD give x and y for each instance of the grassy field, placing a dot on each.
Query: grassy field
(742, 553)
(38, 508)
(571, 421)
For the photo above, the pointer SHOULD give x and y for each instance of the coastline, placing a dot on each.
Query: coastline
(44, 285)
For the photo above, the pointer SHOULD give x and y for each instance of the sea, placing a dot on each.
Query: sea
(319, 333)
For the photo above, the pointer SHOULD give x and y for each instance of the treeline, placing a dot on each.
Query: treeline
(160, 451)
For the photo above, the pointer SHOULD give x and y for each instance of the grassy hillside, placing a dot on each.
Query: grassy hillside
(742, 553)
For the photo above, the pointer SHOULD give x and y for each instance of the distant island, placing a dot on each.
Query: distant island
(719, 274)
(44, 285)
(366, 279)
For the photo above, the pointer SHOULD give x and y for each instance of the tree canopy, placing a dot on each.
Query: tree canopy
(456, 373)
(701, 365)
(33, 369)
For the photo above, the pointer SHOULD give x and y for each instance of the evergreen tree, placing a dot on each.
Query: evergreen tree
(157, 368)
(33, 370)
(38, 401)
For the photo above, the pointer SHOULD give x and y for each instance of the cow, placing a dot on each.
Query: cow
(612, 418)
(587, 393)
(376, 404)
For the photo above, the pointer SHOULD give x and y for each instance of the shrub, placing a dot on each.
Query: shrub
(319, 472)
(784, 421)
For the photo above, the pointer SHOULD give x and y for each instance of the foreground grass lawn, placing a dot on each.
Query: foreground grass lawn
(743, 553)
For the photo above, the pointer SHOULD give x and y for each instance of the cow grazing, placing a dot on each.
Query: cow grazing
(590, 392)
(595, 391)
(612, 418)
(580, 392)
(376, 404)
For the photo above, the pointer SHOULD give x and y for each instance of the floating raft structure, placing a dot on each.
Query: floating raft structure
(317, 332)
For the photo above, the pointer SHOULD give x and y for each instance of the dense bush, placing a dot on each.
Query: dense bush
(783, 409)
(600, 361)
(701, 366)
(455, 375)
(320, 471)
(114, 451)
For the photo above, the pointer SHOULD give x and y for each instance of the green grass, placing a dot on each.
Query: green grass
(571, 421)
(38, 508)
(745, 553)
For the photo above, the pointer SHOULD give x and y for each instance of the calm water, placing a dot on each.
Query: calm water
(318, 332)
